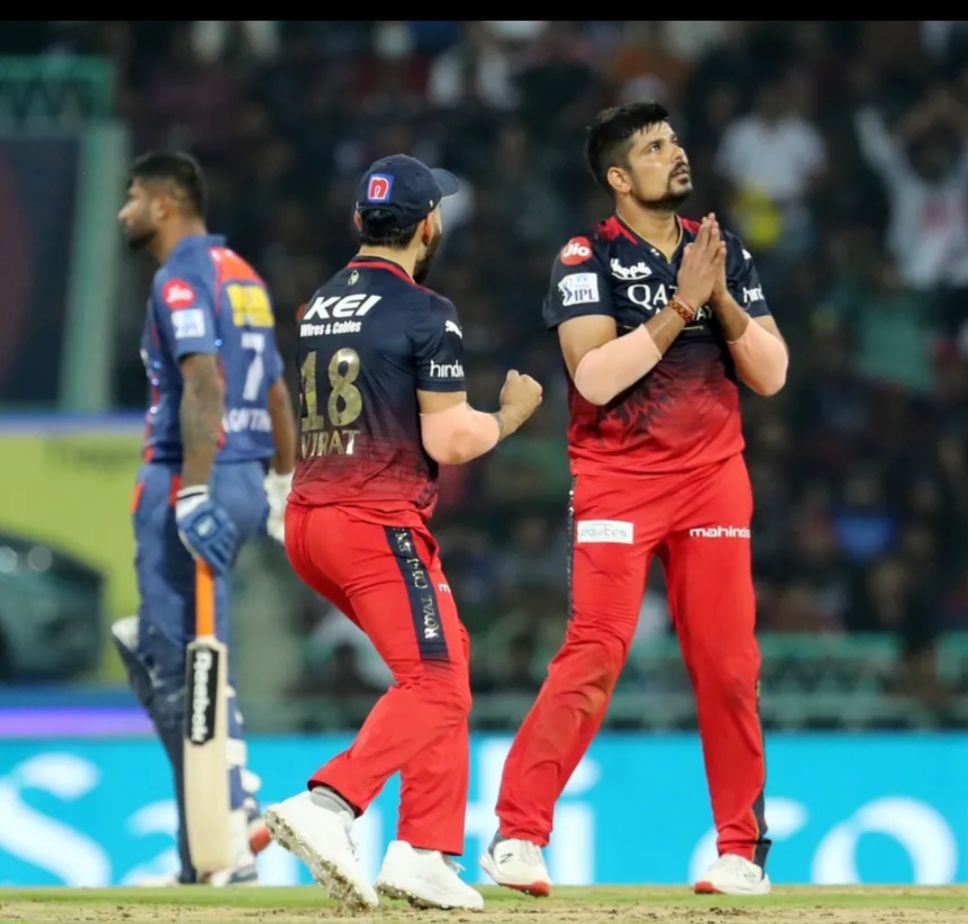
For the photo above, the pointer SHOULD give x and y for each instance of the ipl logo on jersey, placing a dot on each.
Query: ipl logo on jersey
(378, 188)
(578, 289)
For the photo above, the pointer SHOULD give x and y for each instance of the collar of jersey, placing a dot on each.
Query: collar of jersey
(193, 240)
(639, 237)
(380, 263)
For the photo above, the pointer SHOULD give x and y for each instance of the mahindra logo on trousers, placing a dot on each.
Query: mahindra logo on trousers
(201, 720)
(719, 532)
(446, 370)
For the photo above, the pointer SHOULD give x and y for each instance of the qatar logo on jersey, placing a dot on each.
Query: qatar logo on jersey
(577, 250)
(378, 189)
(178, 294)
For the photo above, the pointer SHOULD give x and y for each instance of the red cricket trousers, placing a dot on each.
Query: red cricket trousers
(389, 581)
(697, 523)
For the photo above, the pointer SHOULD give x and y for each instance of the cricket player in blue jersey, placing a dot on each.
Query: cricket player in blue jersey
(218, 458)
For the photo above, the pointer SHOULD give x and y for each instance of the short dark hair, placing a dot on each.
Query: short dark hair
(610, 135)
(379, 228)
(178, 168)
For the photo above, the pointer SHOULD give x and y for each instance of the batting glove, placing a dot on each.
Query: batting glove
(204, 528)
(277, 491)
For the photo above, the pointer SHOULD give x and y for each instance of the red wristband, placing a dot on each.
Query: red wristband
(682, 308)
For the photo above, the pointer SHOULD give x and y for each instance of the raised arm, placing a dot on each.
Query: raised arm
(758, 349)
(602, 364)
(453, 432)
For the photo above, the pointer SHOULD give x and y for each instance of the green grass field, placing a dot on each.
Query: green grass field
(186, 905)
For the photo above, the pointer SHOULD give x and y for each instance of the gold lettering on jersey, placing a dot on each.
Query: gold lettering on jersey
(345, 401)
(250, 305)
(328, 443)
(326, 435)
(311, 420)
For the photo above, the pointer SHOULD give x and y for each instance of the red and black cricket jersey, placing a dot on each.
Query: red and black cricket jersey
(368, 340)
(685, 412)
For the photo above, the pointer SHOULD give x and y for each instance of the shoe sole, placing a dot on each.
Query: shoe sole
(537, 889)
(388, 890)
(705, 887)
(336, 883)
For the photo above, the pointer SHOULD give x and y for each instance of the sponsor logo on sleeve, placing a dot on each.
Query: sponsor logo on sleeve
(188, 323)
(378, 189)
(577, 250)
(746, 254)
(752, 295)
(450, 327)
(579, 289)
(178, 294)
(453, 370)
(618, 531)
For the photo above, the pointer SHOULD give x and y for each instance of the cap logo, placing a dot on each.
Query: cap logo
(378, 188)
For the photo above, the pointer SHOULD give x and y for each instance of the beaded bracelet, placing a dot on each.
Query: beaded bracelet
(682, 308)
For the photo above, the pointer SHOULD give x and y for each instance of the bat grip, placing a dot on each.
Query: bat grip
(204, 599)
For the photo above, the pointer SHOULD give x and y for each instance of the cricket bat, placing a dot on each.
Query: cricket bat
(205, 755)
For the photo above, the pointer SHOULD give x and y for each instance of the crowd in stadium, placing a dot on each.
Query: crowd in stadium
(837, 151)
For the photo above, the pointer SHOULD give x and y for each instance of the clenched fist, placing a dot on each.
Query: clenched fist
(519, 399)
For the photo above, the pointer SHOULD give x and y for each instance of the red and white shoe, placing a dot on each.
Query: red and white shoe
(732, 874)
(517, 864)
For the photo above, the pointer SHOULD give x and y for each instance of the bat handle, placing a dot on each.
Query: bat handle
(204, 599)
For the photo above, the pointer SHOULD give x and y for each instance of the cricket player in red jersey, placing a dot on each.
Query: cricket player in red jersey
(658, 319)
(383, 402)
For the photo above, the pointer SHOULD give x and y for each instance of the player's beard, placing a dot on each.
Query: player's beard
(140, 238)
(671, 201)
(422, 267)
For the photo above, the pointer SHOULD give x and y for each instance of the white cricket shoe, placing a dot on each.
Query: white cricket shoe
(426, 879)
(517, 864)
(320, 837)
(732, 874)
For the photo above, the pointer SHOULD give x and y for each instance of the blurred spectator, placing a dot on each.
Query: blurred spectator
(642, 66)
(477, 70)
(773, 158)
(923, 161)
(839, 150)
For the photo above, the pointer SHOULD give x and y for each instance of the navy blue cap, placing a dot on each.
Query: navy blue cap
(404, 186)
